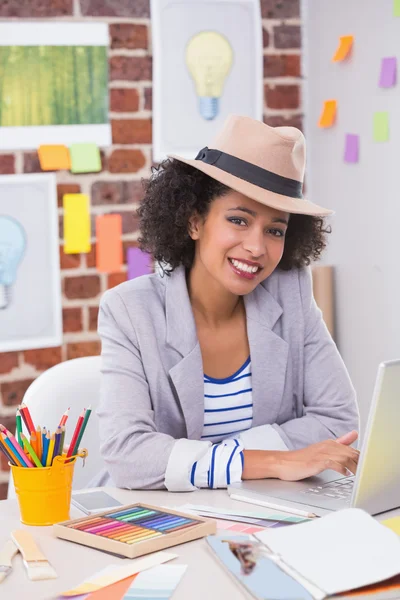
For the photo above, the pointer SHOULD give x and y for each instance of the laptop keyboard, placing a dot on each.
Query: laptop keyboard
(342, 488)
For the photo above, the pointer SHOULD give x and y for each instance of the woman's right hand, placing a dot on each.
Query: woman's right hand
(338, 455)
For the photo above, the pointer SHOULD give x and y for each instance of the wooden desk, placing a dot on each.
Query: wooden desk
(205, 577)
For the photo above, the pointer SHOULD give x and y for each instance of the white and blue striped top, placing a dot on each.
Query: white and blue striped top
(228, 411)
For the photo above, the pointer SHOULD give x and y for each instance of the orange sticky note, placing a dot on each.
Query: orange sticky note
(109, 243)
(54, 158)
(328, 114)
(343, 50)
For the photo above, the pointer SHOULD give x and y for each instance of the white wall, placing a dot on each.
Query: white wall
(365, 244)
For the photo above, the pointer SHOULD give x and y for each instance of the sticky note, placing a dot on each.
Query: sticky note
(328, 114)
(108, 243)
(54, 158)
(85, 158)
(139, 263)
(388, 72)
(381, 127)
(351, 148)
(344, 47)
(396, 8)
(76, 223)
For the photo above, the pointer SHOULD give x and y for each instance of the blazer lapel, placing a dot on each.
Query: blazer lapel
(269, 355)
(187, 373)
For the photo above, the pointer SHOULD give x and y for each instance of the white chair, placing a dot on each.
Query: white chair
(74, 383)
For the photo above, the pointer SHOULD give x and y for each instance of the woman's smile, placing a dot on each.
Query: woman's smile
(244, 269)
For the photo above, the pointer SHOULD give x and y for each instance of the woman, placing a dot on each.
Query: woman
(223, 369)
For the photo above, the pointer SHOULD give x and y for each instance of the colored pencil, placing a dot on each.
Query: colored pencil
(23, 416)
(29, 449)
(49, 458)
(25, 410)
(76, 434)
(5, 451)
(18, 420)
(33, 441)
(57, 443)
(16, 456)
(64, 418)
(46, 445)
(44, 431)
(82, 429)
(62, 439)
(17, 447)
(39, 442)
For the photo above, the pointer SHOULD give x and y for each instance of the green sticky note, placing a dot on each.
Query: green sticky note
(396, 8)
(381, 127)
(85, 158)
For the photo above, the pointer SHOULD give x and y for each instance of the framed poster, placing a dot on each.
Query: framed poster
(30, 286)
(207, 64)
(53, 84)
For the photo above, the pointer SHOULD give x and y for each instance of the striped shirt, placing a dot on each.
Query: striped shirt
(228, 411)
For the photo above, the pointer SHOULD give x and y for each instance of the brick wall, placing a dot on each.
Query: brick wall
(117, 188)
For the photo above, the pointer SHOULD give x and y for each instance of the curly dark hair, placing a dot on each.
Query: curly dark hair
(175, 191)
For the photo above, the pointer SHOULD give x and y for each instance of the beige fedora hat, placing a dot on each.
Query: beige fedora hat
(262, 162)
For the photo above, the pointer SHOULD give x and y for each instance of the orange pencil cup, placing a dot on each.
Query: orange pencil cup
(44, 494)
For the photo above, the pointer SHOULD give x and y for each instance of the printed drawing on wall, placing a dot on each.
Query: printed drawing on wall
(207, 64)
(53, 84)
(30, 290)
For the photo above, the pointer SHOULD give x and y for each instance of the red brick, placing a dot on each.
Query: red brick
(115, 279)
(124, 100)
(282, 65)
(280, 9)
(9, 422)
(279, 121)
(33, 9)
(287, 36)
(69, 261)
(8, 362)
(79, 349)
(72, 320)
(131, 131)
(265, 38)
(131, 68)
(3, 490)
(126, 161)
(84, 286)
(91, 257)
(282, 96)
(127, 35)
(115, 8)
(107, 192)
(148, 98)
(133, 192)
(31, 163)
(66, 188)
(93, 315)
(130, 221)
(13, 392)
(43, 358)
(7, 163)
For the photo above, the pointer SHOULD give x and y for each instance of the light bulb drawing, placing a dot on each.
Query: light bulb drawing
(209, 58)
(12, 248)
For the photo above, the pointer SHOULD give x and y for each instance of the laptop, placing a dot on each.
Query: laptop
(376, 486)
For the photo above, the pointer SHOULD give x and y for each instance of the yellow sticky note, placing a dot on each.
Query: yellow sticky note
(76, 223)
(328, 114)
(381, 127)
(343, 50)
(54, 158)
(393, 524)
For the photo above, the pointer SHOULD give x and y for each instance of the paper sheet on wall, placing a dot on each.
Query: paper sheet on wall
(109, 243)
(388, 72)
(328, 114)
(396, 8)
(54, 158)
(351, 150)
(76, 223)
(85, 158)
(381, 127)
(344, 48)
(139, 263)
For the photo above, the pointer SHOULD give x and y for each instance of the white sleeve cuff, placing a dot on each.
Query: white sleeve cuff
(184, 454)
(263, 437)
(220, 466)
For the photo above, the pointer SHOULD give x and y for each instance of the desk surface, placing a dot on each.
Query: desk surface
(204, 578)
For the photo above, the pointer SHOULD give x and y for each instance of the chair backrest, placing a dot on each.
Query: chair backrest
(76, 384)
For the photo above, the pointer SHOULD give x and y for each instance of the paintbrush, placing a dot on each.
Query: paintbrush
(37, 565)
(7, 553)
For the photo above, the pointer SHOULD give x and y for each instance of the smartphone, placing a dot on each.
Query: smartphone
(91, 502)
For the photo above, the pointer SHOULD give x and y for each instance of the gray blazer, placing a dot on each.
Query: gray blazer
(151, 410)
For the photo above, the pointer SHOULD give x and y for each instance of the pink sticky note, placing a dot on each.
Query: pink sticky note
(388, 72)
(351, 148)
(139, 263)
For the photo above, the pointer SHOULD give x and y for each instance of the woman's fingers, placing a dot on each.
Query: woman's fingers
(347, 438)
